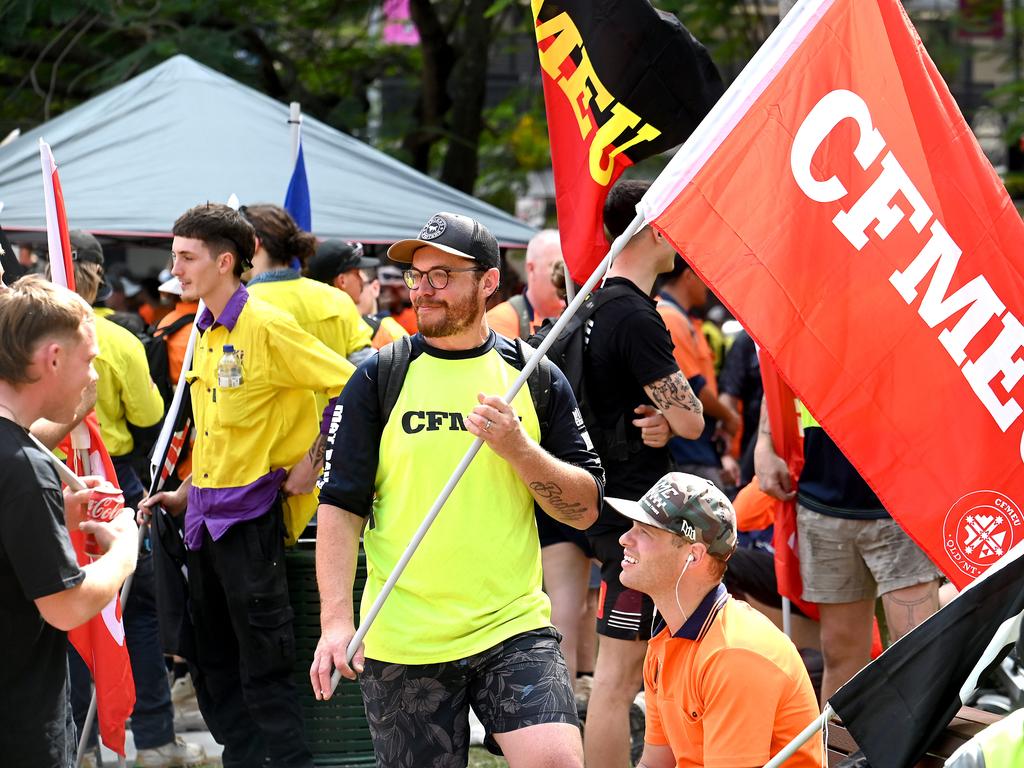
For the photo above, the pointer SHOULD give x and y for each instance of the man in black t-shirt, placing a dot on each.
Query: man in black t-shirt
(45, 366)
(634, 383)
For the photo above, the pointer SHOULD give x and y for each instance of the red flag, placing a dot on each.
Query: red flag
(622, 82)
(100, 641)
(837, 202)
(788, 441)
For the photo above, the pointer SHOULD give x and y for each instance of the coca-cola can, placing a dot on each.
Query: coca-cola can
(105, 503)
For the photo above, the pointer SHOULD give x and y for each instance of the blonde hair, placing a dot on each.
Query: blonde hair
(32, 311)
(88, 276)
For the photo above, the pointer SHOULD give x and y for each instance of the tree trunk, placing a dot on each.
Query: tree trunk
(469, 88)
(433, 101)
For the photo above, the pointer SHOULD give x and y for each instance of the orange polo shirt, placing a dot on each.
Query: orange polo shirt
(728, 689)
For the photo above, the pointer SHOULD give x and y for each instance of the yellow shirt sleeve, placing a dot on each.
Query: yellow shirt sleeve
(301, 361)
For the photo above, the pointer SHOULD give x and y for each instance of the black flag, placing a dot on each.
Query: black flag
(896, 706)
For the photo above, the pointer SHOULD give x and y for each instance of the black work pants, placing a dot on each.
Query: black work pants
(245, 644)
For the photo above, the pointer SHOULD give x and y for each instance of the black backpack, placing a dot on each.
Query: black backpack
(393, 364)
(155, 342)
(568, 352)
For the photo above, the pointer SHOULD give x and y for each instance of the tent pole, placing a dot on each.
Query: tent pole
(295, 121)
(531, 364)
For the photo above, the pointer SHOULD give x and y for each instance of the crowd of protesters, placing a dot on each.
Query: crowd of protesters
(333, 392)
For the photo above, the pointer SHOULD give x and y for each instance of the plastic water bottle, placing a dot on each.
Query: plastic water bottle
(229, 369)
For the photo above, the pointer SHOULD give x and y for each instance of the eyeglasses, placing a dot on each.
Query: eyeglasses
(437, 277)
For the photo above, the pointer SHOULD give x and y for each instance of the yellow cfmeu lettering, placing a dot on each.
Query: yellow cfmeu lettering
(939, 255)
(584, 88)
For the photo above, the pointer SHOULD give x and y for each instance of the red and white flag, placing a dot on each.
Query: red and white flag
(57, 238)
(100, 641)
(837, 202)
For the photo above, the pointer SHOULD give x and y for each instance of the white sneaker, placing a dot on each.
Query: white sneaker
(176, 754)
(187, 716)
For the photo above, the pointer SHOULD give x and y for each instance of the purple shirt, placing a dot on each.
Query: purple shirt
(217, 509)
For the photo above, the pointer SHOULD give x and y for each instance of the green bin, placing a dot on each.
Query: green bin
(336, 730)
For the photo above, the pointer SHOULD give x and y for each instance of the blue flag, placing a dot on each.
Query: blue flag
(296, 199)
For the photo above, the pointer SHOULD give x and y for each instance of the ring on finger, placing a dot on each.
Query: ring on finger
(487, 425)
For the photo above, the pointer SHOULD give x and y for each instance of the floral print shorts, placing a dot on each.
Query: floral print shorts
(419, 714)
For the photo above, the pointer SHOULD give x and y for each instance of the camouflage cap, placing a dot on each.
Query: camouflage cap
(688, 506)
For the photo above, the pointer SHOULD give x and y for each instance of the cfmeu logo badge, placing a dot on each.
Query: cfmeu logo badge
(979, 529)
(433, 228)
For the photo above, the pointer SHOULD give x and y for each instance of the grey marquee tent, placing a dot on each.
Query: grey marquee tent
(132, 159)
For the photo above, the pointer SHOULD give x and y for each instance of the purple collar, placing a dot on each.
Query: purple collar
(229, 316)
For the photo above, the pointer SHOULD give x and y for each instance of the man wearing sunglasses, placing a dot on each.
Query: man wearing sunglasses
(468, 623)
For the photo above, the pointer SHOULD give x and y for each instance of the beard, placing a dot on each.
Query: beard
(459, 315)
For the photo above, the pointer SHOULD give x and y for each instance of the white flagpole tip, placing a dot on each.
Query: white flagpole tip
(233, 201)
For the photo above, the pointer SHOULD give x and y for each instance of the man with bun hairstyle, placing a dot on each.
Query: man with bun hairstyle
(724, 687)
(467, 624)
(281, 250)
(253, 473)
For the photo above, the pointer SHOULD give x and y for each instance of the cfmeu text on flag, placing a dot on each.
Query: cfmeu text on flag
(878, 205)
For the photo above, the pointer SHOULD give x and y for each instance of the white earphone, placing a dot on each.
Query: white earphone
(690, 558)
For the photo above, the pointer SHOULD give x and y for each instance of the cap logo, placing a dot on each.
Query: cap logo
(433, 228)
(688, 530)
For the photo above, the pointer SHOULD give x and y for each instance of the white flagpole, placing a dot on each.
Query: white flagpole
(167, 429)
(635, 226)
(801, 738)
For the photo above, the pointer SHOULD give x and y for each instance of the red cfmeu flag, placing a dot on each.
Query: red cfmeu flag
(622, 82)
(837, 202)
(100, 641)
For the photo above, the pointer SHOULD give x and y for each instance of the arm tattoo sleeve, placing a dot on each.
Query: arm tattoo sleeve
(674, 392)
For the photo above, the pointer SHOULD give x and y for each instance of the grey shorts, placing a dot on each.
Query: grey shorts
(844, 561)
(419, 714)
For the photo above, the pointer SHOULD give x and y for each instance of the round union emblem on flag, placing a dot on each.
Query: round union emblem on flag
(980, 528)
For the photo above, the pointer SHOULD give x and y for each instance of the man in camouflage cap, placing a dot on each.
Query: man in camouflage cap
(723, 685)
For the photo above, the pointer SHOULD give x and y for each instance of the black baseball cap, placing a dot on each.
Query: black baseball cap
(455, 234)
(336, 256)
(87, 249)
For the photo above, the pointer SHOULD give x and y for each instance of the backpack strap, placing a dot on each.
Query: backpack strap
(392, 365)
(539, 383)
(518, 303)
(374, 322)
(174, 327)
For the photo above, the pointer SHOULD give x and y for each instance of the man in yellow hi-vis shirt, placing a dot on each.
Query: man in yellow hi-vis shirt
(468, 623)
(252, 383)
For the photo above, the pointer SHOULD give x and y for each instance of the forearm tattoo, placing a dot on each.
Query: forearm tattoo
(549, 496)
(764, 425)
(318, 451)
(674, 392)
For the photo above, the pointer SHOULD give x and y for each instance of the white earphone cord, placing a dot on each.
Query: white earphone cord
(675, 593)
